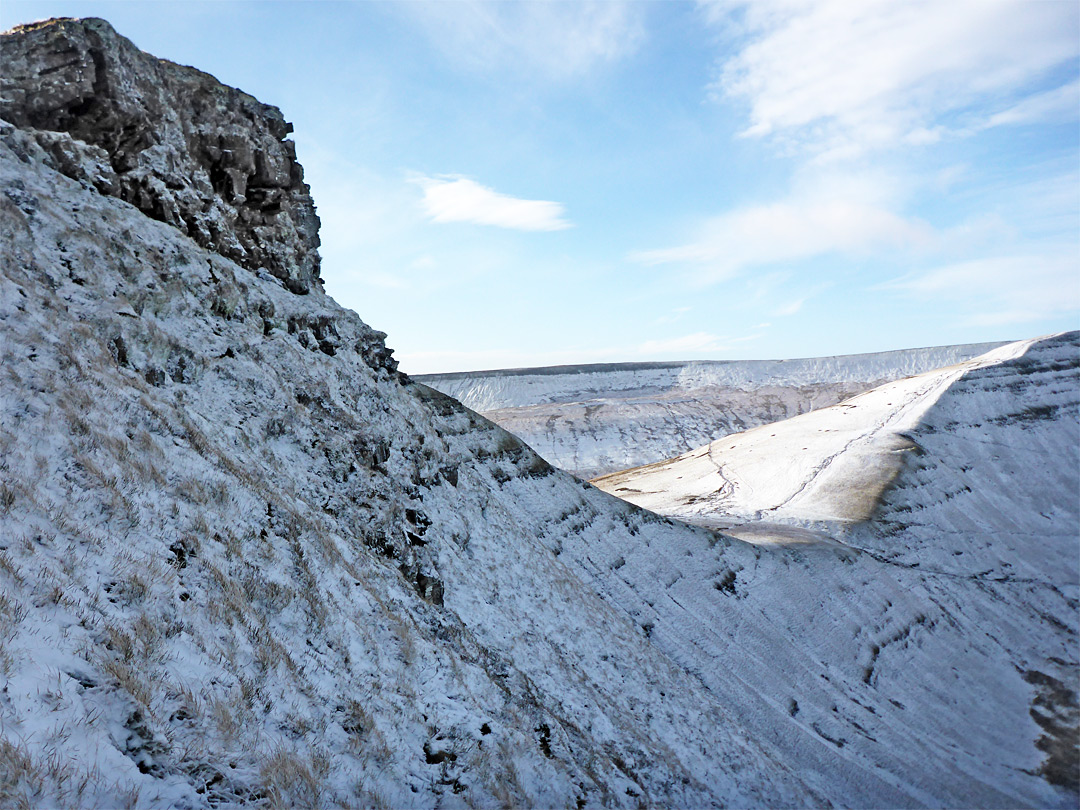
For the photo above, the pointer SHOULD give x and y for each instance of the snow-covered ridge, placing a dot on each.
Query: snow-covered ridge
(960, 488)
(244, 562)
(840, 459)
(522, 387)
(602, 418)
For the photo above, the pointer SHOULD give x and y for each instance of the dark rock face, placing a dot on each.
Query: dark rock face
(173, 141)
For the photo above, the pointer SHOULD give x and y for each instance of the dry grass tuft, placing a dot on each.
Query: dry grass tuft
(290, 780)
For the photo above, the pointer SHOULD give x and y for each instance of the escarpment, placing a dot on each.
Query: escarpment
(243, 561)
(171, 140)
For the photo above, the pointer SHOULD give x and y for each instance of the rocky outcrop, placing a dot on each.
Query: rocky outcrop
(171, 140)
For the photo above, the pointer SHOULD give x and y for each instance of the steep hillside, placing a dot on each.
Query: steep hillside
(245, 561)
(598, 419)
(840, 460)
(937, 520)
(237, 568)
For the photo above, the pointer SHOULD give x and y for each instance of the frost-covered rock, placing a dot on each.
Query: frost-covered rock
(173, 141)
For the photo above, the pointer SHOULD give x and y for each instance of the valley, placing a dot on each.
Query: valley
(599, 419)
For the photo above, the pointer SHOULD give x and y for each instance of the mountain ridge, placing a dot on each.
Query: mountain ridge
(244, 561)
(837, 478)
(598, 419)
(650, 365)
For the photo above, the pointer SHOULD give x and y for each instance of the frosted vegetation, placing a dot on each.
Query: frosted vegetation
(243, 561)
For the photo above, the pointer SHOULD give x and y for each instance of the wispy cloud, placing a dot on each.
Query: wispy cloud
(794, 303)
(1001, 290)
(841, 77)
(1060, 104)
(790, 308)
(787, 231)
(686, 344)
(699, 342)
(451, 198)
(676, 314)
(555, 40)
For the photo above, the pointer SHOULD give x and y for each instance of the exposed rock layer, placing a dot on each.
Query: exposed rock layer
(173, 141)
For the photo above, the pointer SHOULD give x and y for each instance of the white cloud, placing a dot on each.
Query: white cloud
(787, 231)
(841, 77)
(451, 198)
(557, 40)
(1061, 103)
(1012, 289)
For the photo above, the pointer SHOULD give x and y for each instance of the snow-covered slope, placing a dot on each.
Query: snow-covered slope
(839, 460)
(958, 594)
(597, 419)
(243, 561)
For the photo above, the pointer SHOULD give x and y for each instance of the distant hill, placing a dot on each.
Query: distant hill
(596, 419)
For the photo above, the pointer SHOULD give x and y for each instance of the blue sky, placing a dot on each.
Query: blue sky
(522, 184)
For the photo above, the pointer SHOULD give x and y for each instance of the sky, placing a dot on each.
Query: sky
(541, 183)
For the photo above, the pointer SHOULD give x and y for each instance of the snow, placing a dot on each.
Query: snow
(598, 419)
(951, 562)
(216, 527)
(838, 460)
(515, 388)
(238, 568)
